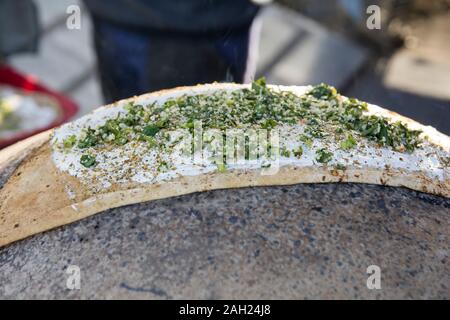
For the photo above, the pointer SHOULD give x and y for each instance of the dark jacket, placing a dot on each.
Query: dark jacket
(176, 15)
(19, 27)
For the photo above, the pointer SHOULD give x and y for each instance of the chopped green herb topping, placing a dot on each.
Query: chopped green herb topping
(321, 110)
(285, 153)
(90, 139)
(151, 130)
(395, 135)
(299, 152)
(348, 143)
(70, 141)
(88, 160)
(306, 140)
(323, 156)
(221, 167)
(323, 91)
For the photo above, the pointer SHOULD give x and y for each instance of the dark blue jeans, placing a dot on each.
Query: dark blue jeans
(132, 62)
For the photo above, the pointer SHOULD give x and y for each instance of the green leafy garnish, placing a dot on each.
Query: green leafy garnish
(88, 160)
(9, 120)
(259, 85)
(299, 152)
(151, 130)
(340, 166)
(306, 140)
(285, 153)
(163, 166)
(314, 130)
(321, 110)
(348, 143)
(70, 141)
(269, 124)
(379, 129)
(323, 91)
(90, 140)
(323, 156)
(221, 167)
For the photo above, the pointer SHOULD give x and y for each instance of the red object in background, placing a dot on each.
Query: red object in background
(68, 108)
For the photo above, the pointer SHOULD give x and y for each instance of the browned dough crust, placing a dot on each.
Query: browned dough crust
(35, 197)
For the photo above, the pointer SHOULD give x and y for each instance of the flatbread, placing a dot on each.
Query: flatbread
(40, 196)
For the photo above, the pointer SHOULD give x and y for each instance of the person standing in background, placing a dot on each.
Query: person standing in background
(148, 45)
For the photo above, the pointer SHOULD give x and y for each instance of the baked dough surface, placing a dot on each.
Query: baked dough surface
(35, 198)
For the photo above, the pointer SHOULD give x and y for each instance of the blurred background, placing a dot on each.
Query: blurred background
(402, 64)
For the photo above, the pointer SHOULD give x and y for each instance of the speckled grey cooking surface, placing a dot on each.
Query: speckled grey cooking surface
(302, 241)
